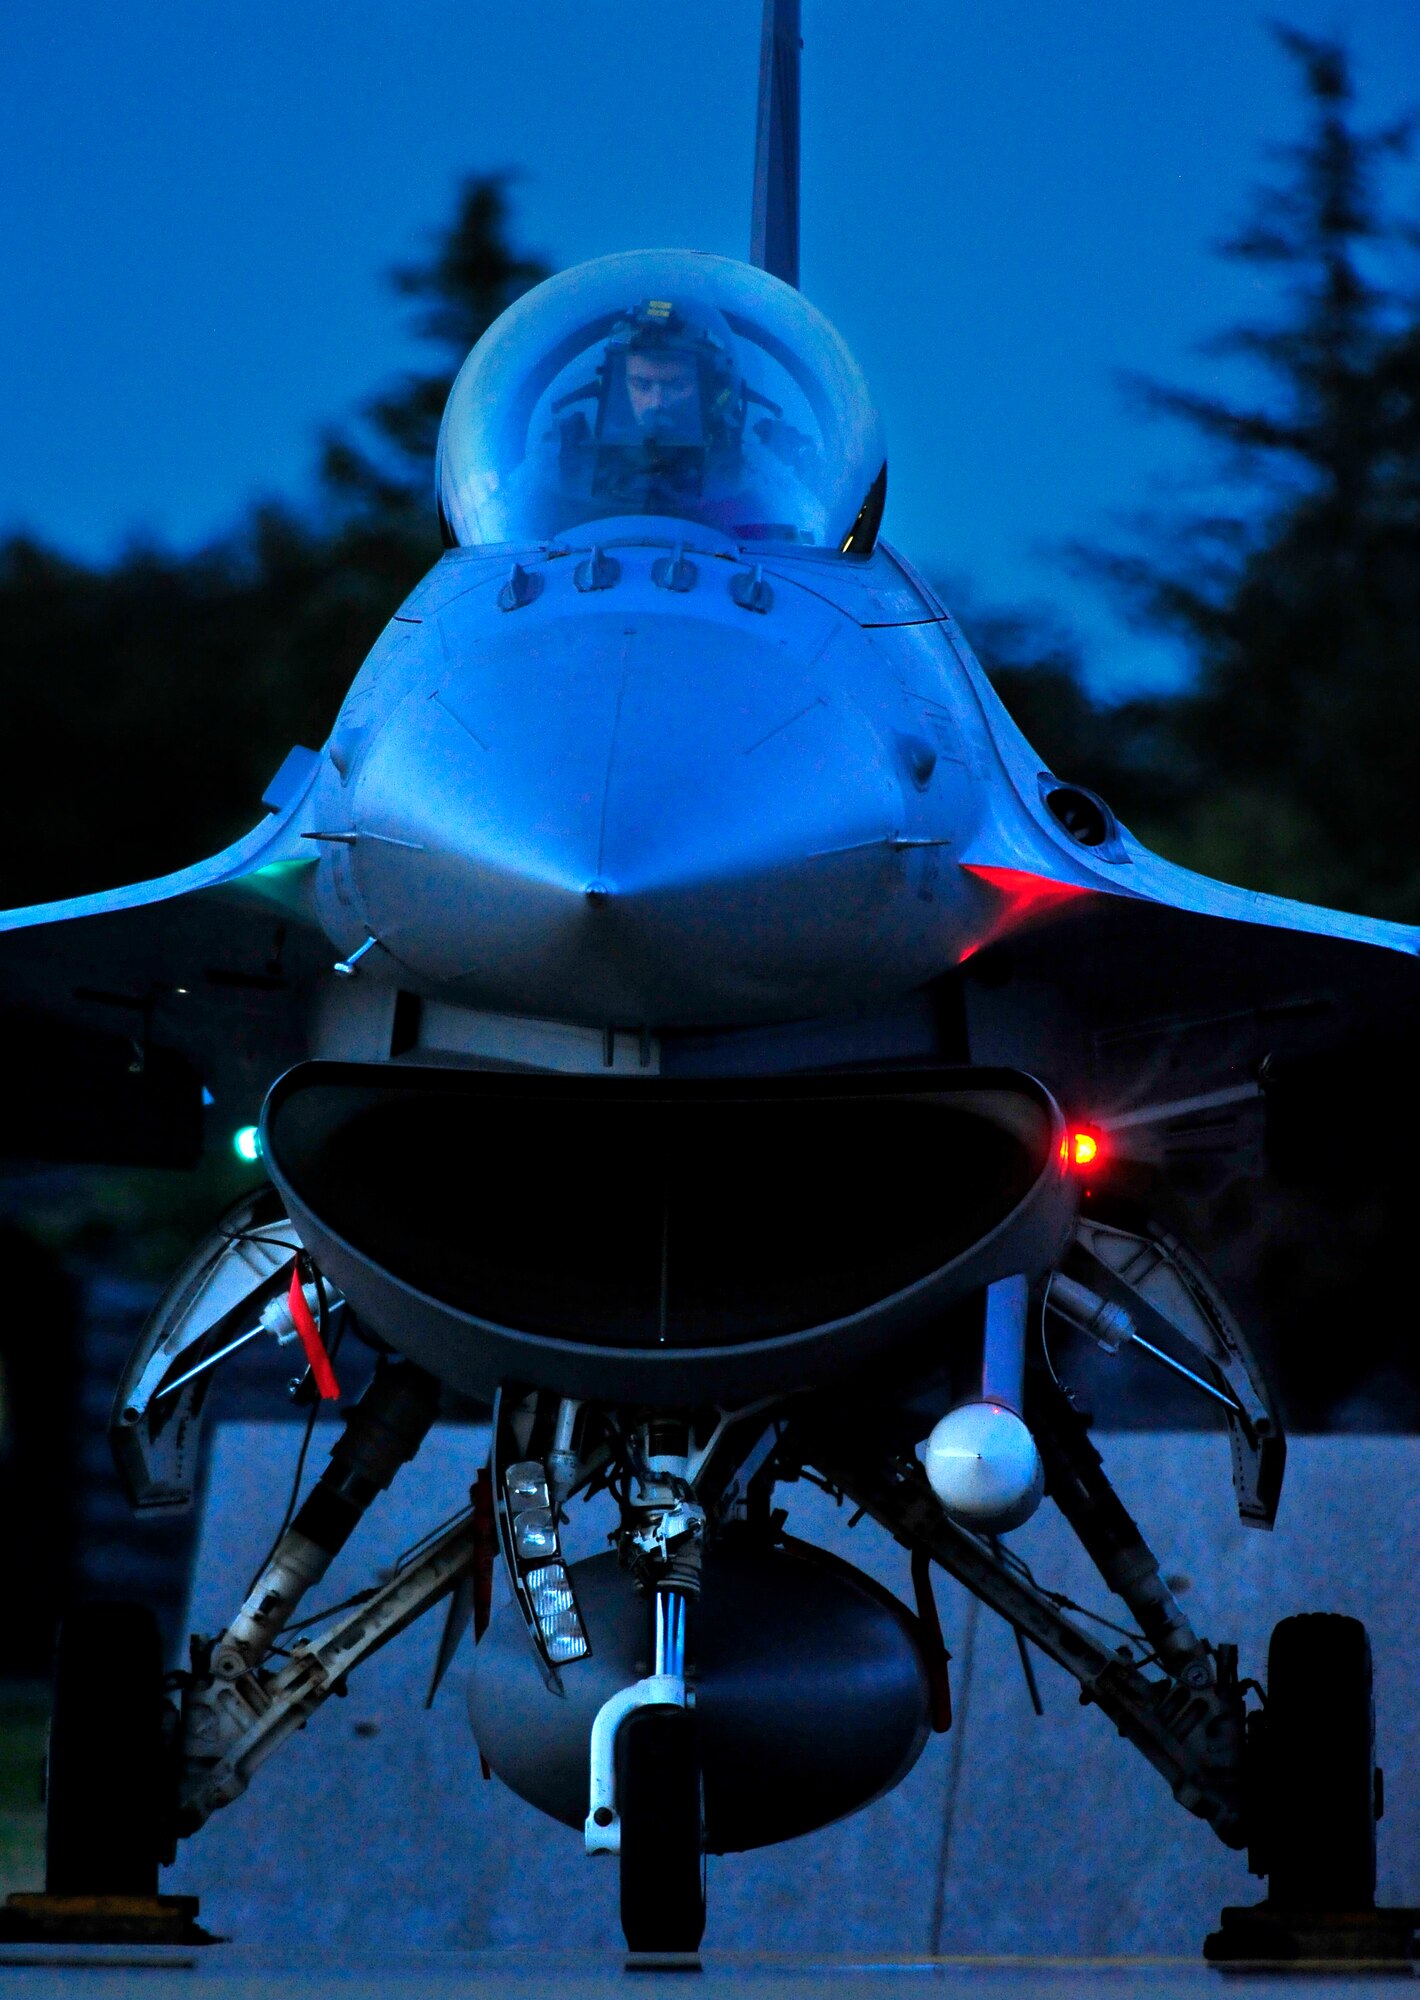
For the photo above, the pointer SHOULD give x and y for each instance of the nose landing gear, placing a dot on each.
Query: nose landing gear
(662, 1862)
(660, 1807)
(647, 1796)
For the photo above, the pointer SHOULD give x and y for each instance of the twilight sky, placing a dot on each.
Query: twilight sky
(1003, 207)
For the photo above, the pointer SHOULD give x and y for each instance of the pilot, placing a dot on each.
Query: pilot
(670, 406)
(668, 432)
(662, 388)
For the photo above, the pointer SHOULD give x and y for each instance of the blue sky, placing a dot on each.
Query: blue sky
(1003, 207)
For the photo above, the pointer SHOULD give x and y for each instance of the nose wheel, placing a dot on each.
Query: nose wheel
(658, 1782)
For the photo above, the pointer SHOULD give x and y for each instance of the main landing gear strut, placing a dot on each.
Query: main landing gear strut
(1294, 1782)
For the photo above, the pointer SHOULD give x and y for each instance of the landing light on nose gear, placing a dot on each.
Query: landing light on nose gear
(646, 1800)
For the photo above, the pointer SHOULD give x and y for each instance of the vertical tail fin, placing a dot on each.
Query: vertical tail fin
(774, 228)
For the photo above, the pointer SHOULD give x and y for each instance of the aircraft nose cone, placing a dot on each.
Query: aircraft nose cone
(719, 774)
(656, 822)
(744, 834)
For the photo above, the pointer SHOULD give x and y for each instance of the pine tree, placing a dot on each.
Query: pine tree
(378, 478)
(149, 702)
(1301, 602)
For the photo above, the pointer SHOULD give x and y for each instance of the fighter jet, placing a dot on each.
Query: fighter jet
(682, 1016)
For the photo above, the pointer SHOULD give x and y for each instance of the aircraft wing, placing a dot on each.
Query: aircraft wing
(1176, 982)
(127, 1010)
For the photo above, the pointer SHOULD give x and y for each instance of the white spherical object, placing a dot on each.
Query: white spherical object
(983, 1466)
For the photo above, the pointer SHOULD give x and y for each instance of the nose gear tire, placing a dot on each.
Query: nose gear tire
(658, 1790)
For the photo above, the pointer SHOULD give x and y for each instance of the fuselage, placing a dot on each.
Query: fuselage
(635, 777)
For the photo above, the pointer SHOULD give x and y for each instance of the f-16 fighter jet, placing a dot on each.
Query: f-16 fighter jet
(683, 1017)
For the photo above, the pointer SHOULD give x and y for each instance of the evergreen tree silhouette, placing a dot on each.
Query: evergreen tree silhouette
(148, 703)
(1290, 761)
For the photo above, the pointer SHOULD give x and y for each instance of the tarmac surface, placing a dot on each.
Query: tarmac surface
(231, 1973)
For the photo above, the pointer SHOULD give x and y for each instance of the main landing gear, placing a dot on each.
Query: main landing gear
(111, 1778)
(1295, 1782)
(110, 1782)
(1315, 1795)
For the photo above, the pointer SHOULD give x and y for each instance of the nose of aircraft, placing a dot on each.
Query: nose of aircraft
(649, 820)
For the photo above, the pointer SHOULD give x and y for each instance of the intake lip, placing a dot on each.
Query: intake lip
(663, 1240)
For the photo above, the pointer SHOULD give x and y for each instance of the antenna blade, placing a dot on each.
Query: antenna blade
(774, 228)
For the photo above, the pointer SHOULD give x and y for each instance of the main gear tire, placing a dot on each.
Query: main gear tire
(1318, 1790)
(659, 1803)
(108, 1775)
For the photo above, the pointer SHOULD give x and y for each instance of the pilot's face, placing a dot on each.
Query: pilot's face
(661, 389)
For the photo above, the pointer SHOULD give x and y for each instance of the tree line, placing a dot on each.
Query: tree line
(149, 701)
(1287, 761)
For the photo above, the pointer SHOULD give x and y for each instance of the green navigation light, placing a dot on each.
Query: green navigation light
(246, 1143)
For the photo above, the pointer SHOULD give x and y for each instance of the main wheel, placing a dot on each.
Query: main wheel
(658, 1795)
(1317, 1790)
(107, 1779)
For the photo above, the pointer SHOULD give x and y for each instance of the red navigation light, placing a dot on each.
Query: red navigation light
(1083, 1147)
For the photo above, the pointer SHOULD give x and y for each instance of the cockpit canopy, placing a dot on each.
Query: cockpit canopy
(667, 383)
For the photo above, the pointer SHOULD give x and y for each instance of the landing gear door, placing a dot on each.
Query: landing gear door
(1171, 1298)
(217, 1295)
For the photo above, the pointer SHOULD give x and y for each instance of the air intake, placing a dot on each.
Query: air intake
(668, 1241)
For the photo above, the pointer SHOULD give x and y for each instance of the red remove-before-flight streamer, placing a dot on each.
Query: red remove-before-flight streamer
(311, 1342)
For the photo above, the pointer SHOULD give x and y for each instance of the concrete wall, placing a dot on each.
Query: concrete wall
(1013, 1834)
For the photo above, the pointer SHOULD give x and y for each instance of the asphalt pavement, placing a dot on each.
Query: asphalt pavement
(231, 1973)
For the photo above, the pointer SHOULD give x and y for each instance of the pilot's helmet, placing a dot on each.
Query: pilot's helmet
(668, 374)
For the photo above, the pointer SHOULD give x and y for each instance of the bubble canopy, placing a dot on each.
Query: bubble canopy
(669, 383)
